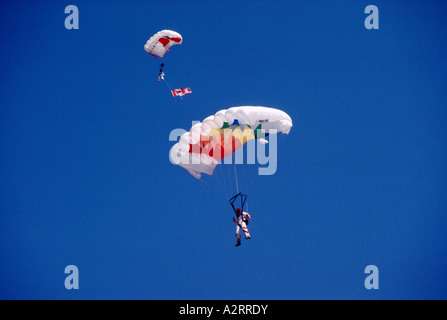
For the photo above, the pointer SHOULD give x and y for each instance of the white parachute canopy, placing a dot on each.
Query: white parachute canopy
(161, 42)
(202, 148)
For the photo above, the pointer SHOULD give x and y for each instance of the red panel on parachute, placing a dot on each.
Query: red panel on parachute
(164, 41)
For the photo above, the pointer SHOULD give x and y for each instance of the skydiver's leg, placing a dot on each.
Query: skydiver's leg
(244, 227)
(238, 235)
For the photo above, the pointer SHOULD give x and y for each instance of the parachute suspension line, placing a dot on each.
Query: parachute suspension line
(250, 172)
(228, 176)
(243, 169)
(235, 174)
(225, 178)
(214, 189)
(216, 177)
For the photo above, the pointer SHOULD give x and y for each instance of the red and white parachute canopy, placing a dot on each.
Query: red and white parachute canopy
(160, 42)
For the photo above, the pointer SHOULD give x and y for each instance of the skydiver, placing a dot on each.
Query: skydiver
(161, 75)
(241, 222)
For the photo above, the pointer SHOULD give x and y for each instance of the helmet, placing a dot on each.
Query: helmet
(238, 211)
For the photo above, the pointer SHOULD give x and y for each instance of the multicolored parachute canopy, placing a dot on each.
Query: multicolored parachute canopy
(202, 148)
(160, 42)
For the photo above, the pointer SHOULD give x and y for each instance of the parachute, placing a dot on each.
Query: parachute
(161, 42)
(208, 142)
(157, 46)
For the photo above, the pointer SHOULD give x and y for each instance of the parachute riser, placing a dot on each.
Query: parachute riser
(233, 200)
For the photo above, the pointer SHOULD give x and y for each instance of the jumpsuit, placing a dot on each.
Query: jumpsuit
(241, 223)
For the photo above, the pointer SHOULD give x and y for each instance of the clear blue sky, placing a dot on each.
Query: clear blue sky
(86, 179)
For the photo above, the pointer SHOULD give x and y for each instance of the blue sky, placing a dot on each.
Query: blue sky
(86, 178)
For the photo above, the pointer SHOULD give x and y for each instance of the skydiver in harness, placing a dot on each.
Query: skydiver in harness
(241, 222)
(161, 75)
(242, 217)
